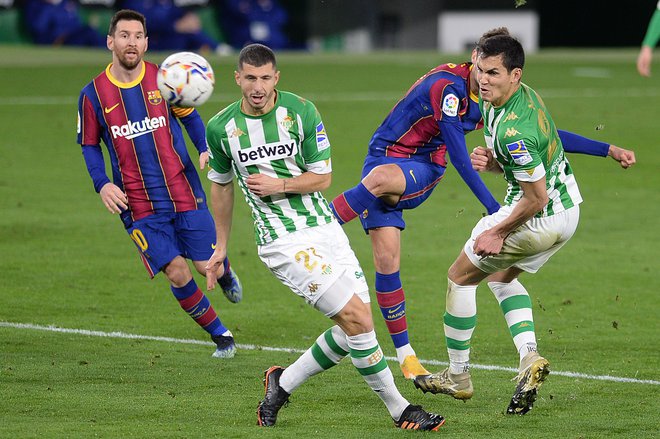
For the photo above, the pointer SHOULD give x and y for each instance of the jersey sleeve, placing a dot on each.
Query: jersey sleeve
(526, 162)
(219, 159)
(89, 129)
(315, 145)
(446, 96)
(194, 126)
(652, 35)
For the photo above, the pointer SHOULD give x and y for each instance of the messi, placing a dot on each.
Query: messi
(267, 152)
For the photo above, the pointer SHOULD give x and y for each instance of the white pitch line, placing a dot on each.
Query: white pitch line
(118, 334)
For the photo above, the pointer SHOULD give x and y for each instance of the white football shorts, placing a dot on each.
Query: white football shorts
(310, 261)
(530, 245)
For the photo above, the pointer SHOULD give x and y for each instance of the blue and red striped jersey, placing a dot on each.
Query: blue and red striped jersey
(145, 142)
(413, 127)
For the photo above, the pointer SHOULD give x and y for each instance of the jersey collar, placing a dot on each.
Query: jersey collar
(120, 84)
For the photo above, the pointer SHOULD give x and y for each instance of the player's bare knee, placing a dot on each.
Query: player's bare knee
(178, 272)
(379, 180)
(354, 318)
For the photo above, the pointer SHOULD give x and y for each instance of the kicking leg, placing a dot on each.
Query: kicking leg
(384, 181)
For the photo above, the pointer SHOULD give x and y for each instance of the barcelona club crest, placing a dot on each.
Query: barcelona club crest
(154, 97)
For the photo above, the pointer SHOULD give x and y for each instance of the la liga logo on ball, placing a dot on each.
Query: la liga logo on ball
(185, 79)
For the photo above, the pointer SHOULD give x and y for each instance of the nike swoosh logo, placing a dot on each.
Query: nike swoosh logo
(141, 133)
(107, 110)
(395, 310)
(213, 246)
(413, 175)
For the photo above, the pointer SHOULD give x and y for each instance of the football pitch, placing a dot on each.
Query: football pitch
(90, 347)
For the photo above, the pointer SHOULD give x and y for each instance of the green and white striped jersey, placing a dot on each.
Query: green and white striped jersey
(525, 143)
(286, 142)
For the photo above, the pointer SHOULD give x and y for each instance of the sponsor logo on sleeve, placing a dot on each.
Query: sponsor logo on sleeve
(450, 105)
(519, 152)
(322, 141)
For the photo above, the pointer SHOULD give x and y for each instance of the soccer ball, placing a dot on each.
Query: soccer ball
(185, 79)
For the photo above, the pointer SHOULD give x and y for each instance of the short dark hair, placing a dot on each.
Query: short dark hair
(256, 55)
(513, 55)
(492, 33)
(126, 14)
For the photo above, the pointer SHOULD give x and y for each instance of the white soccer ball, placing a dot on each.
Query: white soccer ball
(186, 79)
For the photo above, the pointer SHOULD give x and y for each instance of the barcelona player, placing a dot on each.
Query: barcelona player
(407, 158)
(155, 187)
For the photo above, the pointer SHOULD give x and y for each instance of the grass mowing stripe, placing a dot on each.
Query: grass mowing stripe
(118, 334)
(393, 96)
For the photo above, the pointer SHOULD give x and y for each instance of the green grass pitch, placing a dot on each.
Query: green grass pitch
(65, 261)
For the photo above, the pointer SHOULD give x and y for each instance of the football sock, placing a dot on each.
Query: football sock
(351, 203)
(368, 359)
(328, 350)
(392, 302)
(197, 305)
(460, 319)
(517, 309)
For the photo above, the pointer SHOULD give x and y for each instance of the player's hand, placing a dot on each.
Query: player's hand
(482, 159)
(115, 199)
(488, 243)
(215, 268)
(262, 185)
(644, 61)
(626, 158)
(203, 159)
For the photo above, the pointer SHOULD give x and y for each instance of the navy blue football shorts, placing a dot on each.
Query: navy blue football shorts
(421, 179)
(161, 237)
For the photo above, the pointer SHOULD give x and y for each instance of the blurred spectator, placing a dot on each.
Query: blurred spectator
(58, 22)
(650, 40)
(171, 27)
(254, 21)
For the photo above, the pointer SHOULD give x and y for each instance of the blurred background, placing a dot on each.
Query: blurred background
(449, 26)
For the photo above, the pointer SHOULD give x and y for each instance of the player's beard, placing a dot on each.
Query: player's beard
(129, 64)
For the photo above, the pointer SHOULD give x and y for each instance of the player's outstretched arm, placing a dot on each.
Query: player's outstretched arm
(574, 143)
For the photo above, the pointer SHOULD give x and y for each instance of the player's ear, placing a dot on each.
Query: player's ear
(146, 43)
(108, 42)
(276, 77)
(516, 74)
(474, 55)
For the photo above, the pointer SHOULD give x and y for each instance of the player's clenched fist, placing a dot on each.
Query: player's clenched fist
(482, 159)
